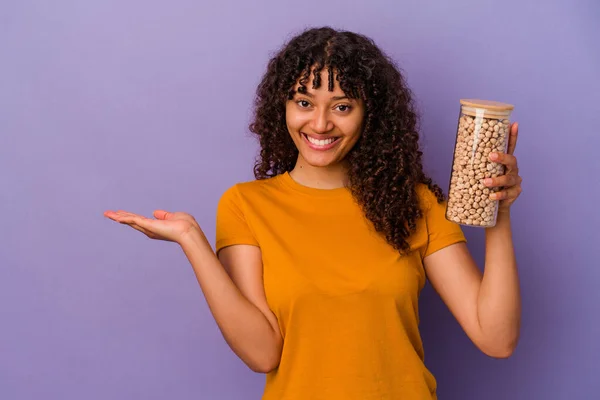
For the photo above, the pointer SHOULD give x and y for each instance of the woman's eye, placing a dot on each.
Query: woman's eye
(303, 103)
(343, 107)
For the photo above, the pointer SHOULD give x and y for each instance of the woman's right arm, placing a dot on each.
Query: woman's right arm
(233, 287)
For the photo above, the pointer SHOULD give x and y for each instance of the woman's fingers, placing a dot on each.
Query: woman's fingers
(144, 231)
(510, 194)
(504, 180)
(128, 218)
(153, 228)
(513, 136)
(509, 161)
(169, 226)
(162, 214)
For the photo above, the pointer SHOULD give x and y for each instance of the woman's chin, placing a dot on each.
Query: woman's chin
(320, 160)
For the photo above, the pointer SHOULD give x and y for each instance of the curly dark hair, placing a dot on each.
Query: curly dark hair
(385, 164)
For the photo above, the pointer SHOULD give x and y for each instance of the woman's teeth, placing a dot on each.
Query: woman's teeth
(318, 142)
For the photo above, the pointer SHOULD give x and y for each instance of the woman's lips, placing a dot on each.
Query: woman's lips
(320, 144)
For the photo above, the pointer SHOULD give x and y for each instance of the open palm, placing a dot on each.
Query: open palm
(167, 226)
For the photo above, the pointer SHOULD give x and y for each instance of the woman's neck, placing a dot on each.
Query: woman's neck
(329, 177)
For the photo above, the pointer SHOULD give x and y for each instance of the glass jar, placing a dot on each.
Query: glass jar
(483, 128)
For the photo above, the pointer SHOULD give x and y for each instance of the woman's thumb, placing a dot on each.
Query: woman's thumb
(161, 214)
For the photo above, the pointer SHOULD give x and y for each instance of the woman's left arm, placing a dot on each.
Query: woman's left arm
(488, 306)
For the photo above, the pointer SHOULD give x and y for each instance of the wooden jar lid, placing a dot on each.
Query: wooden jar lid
(487, 104)
(493, 109)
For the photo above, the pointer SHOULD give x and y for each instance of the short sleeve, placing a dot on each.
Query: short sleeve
(232, 225)
(440, 231)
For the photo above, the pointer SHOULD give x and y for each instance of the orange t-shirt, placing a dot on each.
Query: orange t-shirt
(346, 301)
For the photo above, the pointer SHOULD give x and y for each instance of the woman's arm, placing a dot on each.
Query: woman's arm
(487, 307)
(233, 288)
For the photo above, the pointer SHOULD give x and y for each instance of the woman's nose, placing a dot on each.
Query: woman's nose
(321, 123)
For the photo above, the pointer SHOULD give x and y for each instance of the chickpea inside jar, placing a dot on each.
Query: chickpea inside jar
(483, 128)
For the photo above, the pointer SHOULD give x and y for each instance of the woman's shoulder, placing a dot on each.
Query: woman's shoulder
(252, 188)
(427, 197)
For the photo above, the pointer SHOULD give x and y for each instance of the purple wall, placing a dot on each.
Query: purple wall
(144, 104)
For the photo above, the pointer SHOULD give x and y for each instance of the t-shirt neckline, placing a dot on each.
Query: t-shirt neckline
(288, 181)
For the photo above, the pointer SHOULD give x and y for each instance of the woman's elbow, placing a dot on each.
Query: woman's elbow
(500, 351)
(264, 366)
(504, 353)
(267, 360)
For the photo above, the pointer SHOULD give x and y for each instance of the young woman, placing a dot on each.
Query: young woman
(320, 261)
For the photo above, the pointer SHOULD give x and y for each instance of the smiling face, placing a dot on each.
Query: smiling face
(324, 125)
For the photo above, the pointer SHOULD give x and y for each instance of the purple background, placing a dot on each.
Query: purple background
(140, 105)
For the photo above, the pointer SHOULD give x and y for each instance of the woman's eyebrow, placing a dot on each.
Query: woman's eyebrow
(334, 98)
